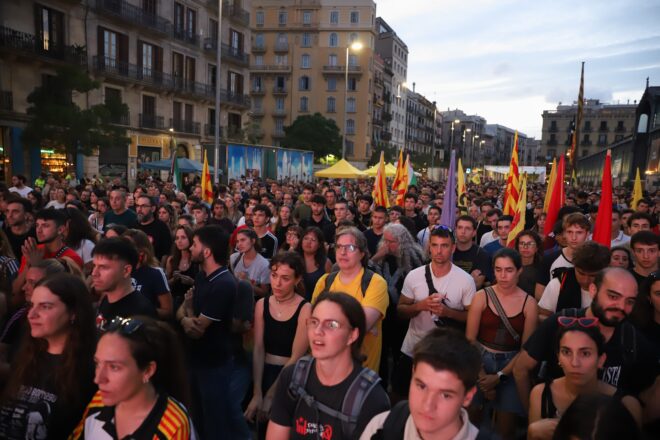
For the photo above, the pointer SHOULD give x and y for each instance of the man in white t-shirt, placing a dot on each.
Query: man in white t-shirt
(445, 306)
(19, 187)
(491, 217)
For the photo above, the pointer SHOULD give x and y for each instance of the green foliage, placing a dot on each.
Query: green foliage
(391, 154)
(314, 132)
(57, 122)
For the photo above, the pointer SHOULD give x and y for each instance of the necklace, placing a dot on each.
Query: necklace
(280, 302)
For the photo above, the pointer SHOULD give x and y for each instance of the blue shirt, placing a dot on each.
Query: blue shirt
(493, 247)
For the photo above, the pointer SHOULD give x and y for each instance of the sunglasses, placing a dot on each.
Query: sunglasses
(570, 321)
(125, 326)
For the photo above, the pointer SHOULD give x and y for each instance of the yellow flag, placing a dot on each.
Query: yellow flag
(207, 185)
(519, 219)
(637, 191)
(476, 179)
(551, 184)
(380, 185)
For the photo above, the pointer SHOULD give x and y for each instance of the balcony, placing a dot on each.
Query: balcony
(124, 120)
(258, 47)
(186, 37)
(603, 129)
(277, 134)
(378, 122)
(258, 91)
(585, 143)
(265, 68)
(6, 101)
(279, 90)
(235, 55)
(128, 13)
(257, 113)
(386, 136)
(341, 70)
(236, 14)
(552, 142)
(553, 129)
(620, 129)
(28, 44)
(184, 126)
(279, 112)
(152, 121)
(239, 100)
(209, 130)
(281, 47)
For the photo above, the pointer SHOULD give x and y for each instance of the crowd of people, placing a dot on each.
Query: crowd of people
(301, 310)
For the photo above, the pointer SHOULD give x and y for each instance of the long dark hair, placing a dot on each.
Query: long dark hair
(353, 311)
(176, 253)
(155, 341)
(537, 239)
(78, 228)
(321, 256)
(76, 366)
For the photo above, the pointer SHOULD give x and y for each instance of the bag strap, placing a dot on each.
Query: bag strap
(500, 311)
(355, 397)
(366, 280)
(394, 426)
(429, 279)
(329, 280)
(300, 375)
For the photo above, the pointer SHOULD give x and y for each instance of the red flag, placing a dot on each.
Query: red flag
(603, 228)
(557, 198)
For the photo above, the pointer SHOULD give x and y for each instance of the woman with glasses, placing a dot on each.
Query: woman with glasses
(530, 247)
(141, 384)
(280, 336)
(292, 237)
(52, 376)
(179, 267)
(316, 259)
(500, 319)
(580, 350)
(335, 329)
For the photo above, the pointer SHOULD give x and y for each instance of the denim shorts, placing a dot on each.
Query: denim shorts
(506, 394)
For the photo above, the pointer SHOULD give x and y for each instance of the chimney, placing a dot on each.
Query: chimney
(413, 87)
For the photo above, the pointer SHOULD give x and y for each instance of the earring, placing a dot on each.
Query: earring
(145, 379)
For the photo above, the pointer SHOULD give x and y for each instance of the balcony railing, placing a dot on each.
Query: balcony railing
(235, 54)
(258, 112)
(6, 101)
(386, 136)
(603, 129)
(553, 129)
(279, 112)
(585, 143)
(31, 45)
(279, 90)
(342, 69)
(258, 91)
(237, 99)
(187, 37)
(281, 47)
(258, 47)
(587, 129)
(133, 15)
(265, 68)
(185, 126)
(236, 14)
(278, 133)
(152, 121)
(620, 129)
(124, 119)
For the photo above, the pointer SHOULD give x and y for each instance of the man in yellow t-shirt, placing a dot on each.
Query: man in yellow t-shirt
(352, 256)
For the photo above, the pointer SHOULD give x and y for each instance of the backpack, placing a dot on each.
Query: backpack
(357, 394)
(364, 282)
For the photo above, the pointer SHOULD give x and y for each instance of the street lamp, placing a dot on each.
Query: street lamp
(355, 46)
(467, 130)
(451, 138)
(475, 136)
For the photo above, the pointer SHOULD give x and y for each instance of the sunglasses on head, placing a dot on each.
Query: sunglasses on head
(125, 326)
(443, 228)
(570, 321)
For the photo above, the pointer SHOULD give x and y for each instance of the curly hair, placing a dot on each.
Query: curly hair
(409, 251)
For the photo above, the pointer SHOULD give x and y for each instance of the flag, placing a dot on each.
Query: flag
(551, 184)
(603, 227)
(580, 110)
(448, 217)
(462, 189)
(400, 184)
(518, 224)
(207, 185)
(512, 182)
(637, 191)
(175, 175)
(412, 179)
(380, 185)
(574, 180)
(556, 199)
(476, 179)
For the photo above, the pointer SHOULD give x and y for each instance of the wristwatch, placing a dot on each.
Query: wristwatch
(502, 377)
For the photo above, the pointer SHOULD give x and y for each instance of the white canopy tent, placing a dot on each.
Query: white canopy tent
(496, 172)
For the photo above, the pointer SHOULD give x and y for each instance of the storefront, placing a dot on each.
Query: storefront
(53, 162)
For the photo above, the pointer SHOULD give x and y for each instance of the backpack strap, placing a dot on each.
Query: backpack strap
(429, 279)
(366, 280)
(355, 397)
(629, 342)
(329, 280)
(300, 375)
(394, 425)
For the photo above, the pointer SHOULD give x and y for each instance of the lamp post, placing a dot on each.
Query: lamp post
(467, 130)
(474, 136)
(435, 112)
(355, 46)
(451, 138)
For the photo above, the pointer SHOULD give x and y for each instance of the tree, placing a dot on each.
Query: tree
(314, 132)
(391, 154)
(57, 122)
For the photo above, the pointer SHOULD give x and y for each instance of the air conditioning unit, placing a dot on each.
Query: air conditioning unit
(208, 45)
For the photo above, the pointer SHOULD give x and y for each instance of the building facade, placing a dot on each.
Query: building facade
(465, 134)
(602, 125)
(301, 55)
(159, 58)
(420, 123)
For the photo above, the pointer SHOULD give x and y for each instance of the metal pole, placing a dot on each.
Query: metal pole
(343, 147)
(435, 109)
(216, 150)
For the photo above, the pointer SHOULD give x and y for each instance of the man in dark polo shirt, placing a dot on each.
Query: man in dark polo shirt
(206, 317)
(114, 260)
(158, 232)
(119, 214)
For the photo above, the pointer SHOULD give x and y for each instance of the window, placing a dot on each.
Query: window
(332, 60)
(257, 103)
(191, 23)
(305, 61)
(333, 41)
(147, 60)
(352, 37)
(332, 84)
(211, 75)
(350, 105)
(602, 139)
(279, 104)
(587, 125)
(279, 125)
(331, 106)
(334, 17)
(236, 42)
(352, 84)
(307, 17)
(282, 17)
(282, 60)
(306, 39)
(235, 83)
(280, 82)
(257, 84)
(304, 103)
(110, 45)
(304, 83)
(355, 17)
(349, 148)
(259, 40)
(259, 60)
(50, 25)
(259, 17)
(352, 60)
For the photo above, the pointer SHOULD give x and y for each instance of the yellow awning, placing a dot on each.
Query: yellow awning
(341, 170)
(390, 170)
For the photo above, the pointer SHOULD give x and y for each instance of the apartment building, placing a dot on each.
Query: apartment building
(465, 133)
(302, 52)
(157, 57)
(602, 125)
(420, 123)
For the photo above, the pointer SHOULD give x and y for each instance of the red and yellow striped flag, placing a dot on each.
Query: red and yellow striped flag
(380, 185)
(512, 181)
(519, 217)
(207, 185)
(400, 184)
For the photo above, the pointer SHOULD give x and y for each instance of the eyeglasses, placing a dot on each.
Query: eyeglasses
(125, 326)
(350, 248)
(527, 245)
(570, 321)
(326, 325)
(310, 239)
(290, 234)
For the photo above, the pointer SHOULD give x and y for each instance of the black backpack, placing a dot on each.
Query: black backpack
(357, 394)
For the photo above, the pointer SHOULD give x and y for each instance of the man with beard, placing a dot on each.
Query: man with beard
(16, 226)
(319, 218)
(630, 365)
(114, 261)
(158, 232)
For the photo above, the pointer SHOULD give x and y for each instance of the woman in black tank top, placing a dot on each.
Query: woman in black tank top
(280, 335)
(580, 350)
(316, 259)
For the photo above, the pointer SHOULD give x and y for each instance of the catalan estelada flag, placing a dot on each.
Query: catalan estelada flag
(400, 184)
(512, 181)
(380, 185)
(207, 183)
(518, 224)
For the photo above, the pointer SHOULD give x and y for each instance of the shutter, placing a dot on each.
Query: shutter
(123, 48)
(239, 84)
(100, 49)
(158, 61)
(139, 54)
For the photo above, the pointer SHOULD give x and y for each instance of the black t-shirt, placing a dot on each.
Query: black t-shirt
(420, 222)
(132, 304)
(160, 236)
(627, 372)
(127, 218)
(224, 223)
(641, 279)
(38, 412)
(372, 240)
(269, 245)
(16, 241)
(482, 228)
(474, 258)
(324, 225)
(546, 263)
(150, 282)
(527, 278)
(305, 421)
